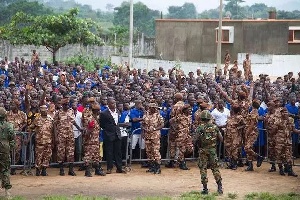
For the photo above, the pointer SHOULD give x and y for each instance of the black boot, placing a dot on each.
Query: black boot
(291, 172)
(37, 172)
(230, 164)
(170, 164)
(183, 166)
(281, 172)
(151, 167)
(273, 168)
(99, 171)
(44, 171)
(285, 168)
(205, 190)
(157, 168)
(13, 172)
(88, 171)
(71, 170)
(220, 188)
(250, 166)
(82, 168)
(61, 169)
(259, 161)
(240, 163)
(234, 165)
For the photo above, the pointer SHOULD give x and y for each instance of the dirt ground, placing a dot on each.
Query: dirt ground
(137, 183)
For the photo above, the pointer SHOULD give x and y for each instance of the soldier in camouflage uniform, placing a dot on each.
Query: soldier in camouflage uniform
(180, 126)
(251, 134)
(284, 128)
(232, 136)
(152, 124)
(43, 128)
(206, 136)
(91, 142)
(19, 120)
(289, 148)
(271, 131)
(64, 137)
(7, 142)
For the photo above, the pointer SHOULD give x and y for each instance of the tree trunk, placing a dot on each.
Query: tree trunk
(54, 55)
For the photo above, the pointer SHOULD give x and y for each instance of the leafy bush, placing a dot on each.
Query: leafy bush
(89, 62)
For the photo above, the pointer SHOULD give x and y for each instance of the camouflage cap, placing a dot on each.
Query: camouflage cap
(2, 112)
(205, 114)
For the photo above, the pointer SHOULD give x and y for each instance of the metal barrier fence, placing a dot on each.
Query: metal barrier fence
(27, 159)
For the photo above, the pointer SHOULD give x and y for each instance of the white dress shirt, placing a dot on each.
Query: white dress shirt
(220, 117)
(115, 115)
(78, 121)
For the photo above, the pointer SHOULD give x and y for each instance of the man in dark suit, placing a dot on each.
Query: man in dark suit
(112, 136)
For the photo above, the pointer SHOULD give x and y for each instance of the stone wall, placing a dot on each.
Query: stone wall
(273, 65)
(146, 47)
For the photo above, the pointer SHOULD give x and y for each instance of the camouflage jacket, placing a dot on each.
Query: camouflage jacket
(206, 135)
(43, 127)
(7, 136)
(151, 123)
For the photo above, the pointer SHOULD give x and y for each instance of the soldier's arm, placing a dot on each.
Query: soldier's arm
(219, 135)
(161, 123)
(24, 121)
(11, 135)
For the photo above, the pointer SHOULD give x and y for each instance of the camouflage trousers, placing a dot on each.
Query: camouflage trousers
(5, 170)
(283, 153)
(18, 147)
(91, 153)
(289, 153)
(208, 157)
(232, 146)
(65, 148)
(43, 153)
(184, 144)
(152, 149)
(249, 142)
(271, 146)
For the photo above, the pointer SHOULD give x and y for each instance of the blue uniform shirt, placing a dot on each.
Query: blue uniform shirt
(295, 111)
(136, 113)
(165, 113)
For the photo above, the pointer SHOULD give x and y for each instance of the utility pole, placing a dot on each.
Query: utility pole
(219, 48)
(131, 35)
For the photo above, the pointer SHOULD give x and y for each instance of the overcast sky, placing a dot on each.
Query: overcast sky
(163, 5)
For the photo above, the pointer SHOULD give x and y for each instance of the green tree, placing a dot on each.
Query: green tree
(209, 14)
(233, 6)
(51, 31)
(187, 11)
(144, 18)
(281, 14)
(8, 10)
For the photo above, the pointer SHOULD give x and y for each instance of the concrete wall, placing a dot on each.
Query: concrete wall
(142, 63)
(195, 40)
(11, 51)
(273, 65)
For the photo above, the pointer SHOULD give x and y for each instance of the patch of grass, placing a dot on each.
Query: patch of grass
(268, 196)
(232, 195)
(251, 196)
(77, 197)
(14, 198)
(153, 198)
(197, 195)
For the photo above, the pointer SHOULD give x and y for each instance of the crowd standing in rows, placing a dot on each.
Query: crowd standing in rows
(76, 115)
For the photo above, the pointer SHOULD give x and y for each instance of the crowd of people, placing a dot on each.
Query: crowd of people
(77, 115)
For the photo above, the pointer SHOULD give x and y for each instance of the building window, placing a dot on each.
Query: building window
(227, 34)
(294, 34)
